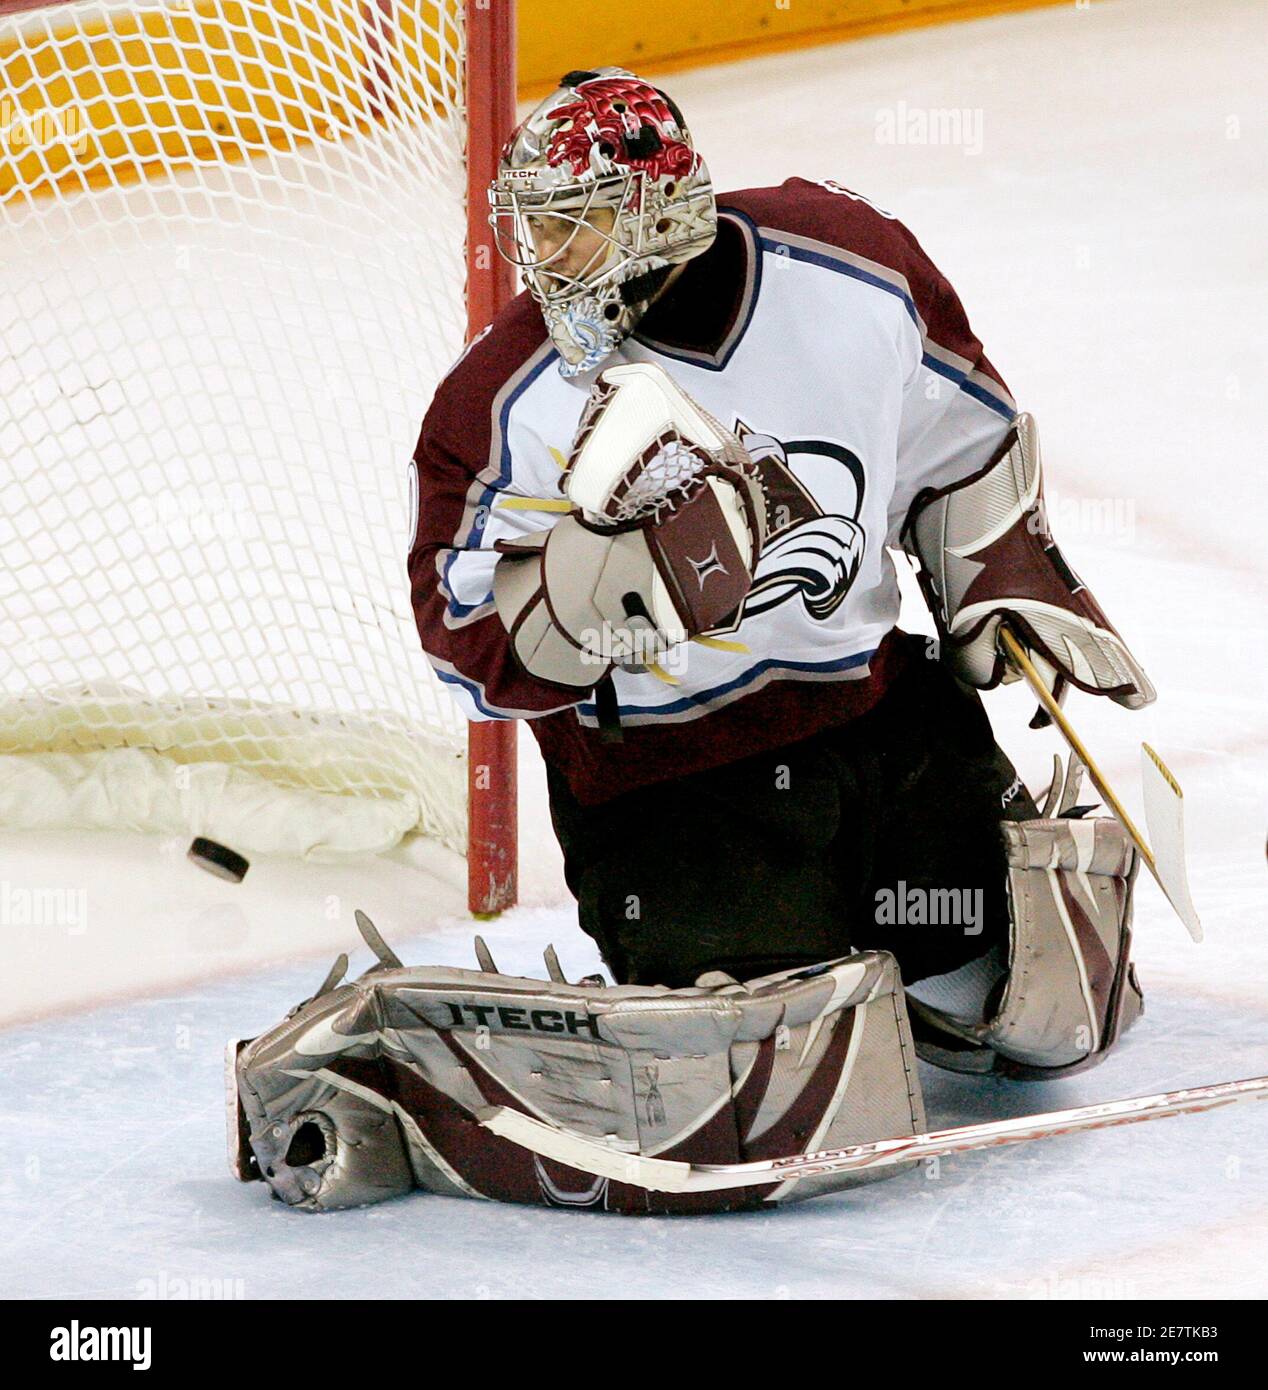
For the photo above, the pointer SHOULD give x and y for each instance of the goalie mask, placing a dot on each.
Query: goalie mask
(599, 193)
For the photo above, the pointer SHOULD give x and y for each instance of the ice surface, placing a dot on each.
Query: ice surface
(1107, 240)
(114, 1180)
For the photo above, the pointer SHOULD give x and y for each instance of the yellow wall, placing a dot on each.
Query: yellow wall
(117, 95)
(156, 88)
(555, 35)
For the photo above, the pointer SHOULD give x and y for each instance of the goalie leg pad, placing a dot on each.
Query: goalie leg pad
(1068, 989)
(374, 1088)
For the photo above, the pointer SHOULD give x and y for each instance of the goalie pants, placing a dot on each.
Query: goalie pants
(848, 840)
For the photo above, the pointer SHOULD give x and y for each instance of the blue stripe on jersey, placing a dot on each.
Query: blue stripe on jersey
(687, 702)
(841, 267)
(827, 261)
(992, 402)
(484, 507)
(970, 388)
(474, 690)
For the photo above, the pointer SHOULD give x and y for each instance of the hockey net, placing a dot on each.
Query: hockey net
(232, 272)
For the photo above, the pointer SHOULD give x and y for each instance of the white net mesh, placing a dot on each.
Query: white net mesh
(667, 477)
(231, 274)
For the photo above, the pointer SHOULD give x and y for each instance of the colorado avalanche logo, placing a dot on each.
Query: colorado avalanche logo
(810, 554)
(619, 121)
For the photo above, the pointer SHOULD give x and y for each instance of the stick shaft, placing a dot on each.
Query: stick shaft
(662, 1175)
(999, 1133)
(1017, 653)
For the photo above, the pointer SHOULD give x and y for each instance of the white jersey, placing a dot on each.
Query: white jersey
(843, 361)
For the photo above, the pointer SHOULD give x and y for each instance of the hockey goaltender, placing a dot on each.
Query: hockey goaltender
(653, 505)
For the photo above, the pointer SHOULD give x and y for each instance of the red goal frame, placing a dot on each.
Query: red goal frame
(492, 815)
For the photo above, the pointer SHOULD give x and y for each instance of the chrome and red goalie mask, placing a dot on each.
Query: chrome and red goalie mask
(598, 193)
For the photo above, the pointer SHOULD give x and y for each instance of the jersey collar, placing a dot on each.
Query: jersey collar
(704, 314)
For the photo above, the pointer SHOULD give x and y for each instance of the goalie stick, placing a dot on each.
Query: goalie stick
(668, 1175)
(1164, 801)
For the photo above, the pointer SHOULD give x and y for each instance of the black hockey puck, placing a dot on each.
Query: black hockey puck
(219, 860)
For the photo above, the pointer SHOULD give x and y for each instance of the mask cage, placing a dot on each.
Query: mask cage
(572, 204)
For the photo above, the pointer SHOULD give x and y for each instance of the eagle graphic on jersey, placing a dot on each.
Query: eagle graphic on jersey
(810, 554)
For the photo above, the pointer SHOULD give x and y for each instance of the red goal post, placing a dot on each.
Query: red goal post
(492, 846)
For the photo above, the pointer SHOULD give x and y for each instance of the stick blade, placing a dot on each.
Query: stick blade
(1164, 815)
